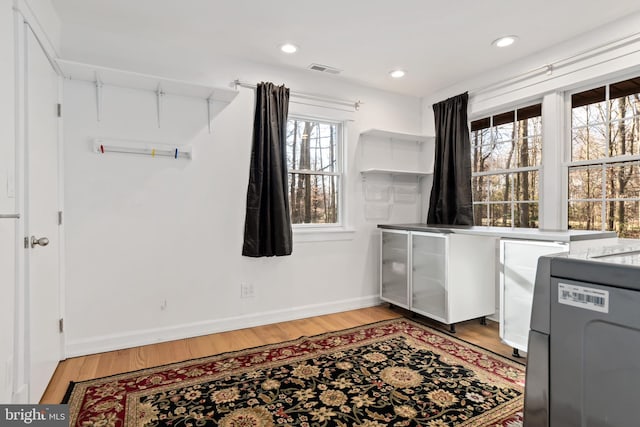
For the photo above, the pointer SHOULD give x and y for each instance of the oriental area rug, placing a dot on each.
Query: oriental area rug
(391, 373)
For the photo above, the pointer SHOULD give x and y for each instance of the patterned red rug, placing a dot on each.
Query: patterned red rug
(392, 373)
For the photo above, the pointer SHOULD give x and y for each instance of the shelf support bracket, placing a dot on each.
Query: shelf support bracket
(98, 97)
(209, 101)
(159, 97)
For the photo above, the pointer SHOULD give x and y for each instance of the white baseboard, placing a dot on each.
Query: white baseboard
(112, 342)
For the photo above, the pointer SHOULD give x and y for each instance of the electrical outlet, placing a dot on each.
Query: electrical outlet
(246, 290)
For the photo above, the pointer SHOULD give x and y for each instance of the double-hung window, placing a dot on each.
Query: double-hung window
(506, 151)
(604, 172)
(314, 159)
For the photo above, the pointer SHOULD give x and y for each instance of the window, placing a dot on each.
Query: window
(314, 160)
(506, 150)
(604, 178)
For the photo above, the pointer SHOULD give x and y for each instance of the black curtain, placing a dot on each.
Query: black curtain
(267, 227)
(451, 201)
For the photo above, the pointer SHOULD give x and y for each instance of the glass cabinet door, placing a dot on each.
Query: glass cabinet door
(393, 269)
(429, 290)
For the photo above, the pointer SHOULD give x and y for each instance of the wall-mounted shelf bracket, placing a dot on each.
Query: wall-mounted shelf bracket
(159, 99)
(209, 118)
(98, 83)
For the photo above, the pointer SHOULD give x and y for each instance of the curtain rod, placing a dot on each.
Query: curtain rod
(304, 95)
(549, 67)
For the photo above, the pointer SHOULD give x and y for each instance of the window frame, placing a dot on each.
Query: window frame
(508, 173)
(307, 229)
(602, 164)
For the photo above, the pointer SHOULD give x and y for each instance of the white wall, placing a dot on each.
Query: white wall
(153, 246)
(7, 202)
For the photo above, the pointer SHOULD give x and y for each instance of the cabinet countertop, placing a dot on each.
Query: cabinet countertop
(505, 232)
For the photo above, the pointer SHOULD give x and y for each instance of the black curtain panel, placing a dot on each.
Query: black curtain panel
(267, 227)
(451, 200)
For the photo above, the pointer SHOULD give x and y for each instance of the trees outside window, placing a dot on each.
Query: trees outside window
(506, 151)
(315, 171)
(604, 173)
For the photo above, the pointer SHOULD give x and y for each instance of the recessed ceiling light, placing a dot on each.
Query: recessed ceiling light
(505, 41)
(289, 48)
(396, 74)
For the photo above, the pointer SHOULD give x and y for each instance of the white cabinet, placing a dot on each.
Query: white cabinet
(519, 260)
(446, 277)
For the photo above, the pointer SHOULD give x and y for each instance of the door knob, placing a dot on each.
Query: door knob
(43, 241)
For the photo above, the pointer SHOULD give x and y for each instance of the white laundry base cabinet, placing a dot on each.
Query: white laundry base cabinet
(443, 276)
(519, 261)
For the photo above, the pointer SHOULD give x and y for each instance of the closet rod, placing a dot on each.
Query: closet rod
(305, 95)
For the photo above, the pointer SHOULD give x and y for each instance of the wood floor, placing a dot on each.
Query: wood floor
(115, 362)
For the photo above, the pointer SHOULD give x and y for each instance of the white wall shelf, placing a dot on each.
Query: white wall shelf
(394, 172)
(395, 168)
(161, 86)
(397, 136)
(111, 76)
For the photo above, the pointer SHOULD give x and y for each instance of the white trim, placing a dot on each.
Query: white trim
(506, 171)
(612, 121)
(585, 164)
(552, 212)
(152, 336)
(506, 202)
(312, 172)
(319, 233)
(606, 199)
(61, 227)
(29, 18)
(19, 357)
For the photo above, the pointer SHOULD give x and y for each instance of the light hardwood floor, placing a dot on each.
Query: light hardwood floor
(115, 362)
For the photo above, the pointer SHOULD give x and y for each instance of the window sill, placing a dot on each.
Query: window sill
(322, 234)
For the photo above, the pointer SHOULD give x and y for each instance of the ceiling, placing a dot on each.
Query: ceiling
(439, 43)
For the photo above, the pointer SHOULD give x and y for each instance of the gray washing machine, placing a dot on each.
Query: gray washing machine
(583, 364)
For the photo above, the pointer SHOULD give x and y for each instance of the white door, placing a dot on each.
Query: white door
(41, 219)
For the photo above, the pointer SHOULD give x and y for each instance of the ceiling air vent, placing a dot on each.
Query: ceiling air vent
(324, 69)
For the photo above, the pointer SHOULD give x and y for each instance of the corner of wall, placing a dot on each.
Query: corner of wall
(43, 18)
